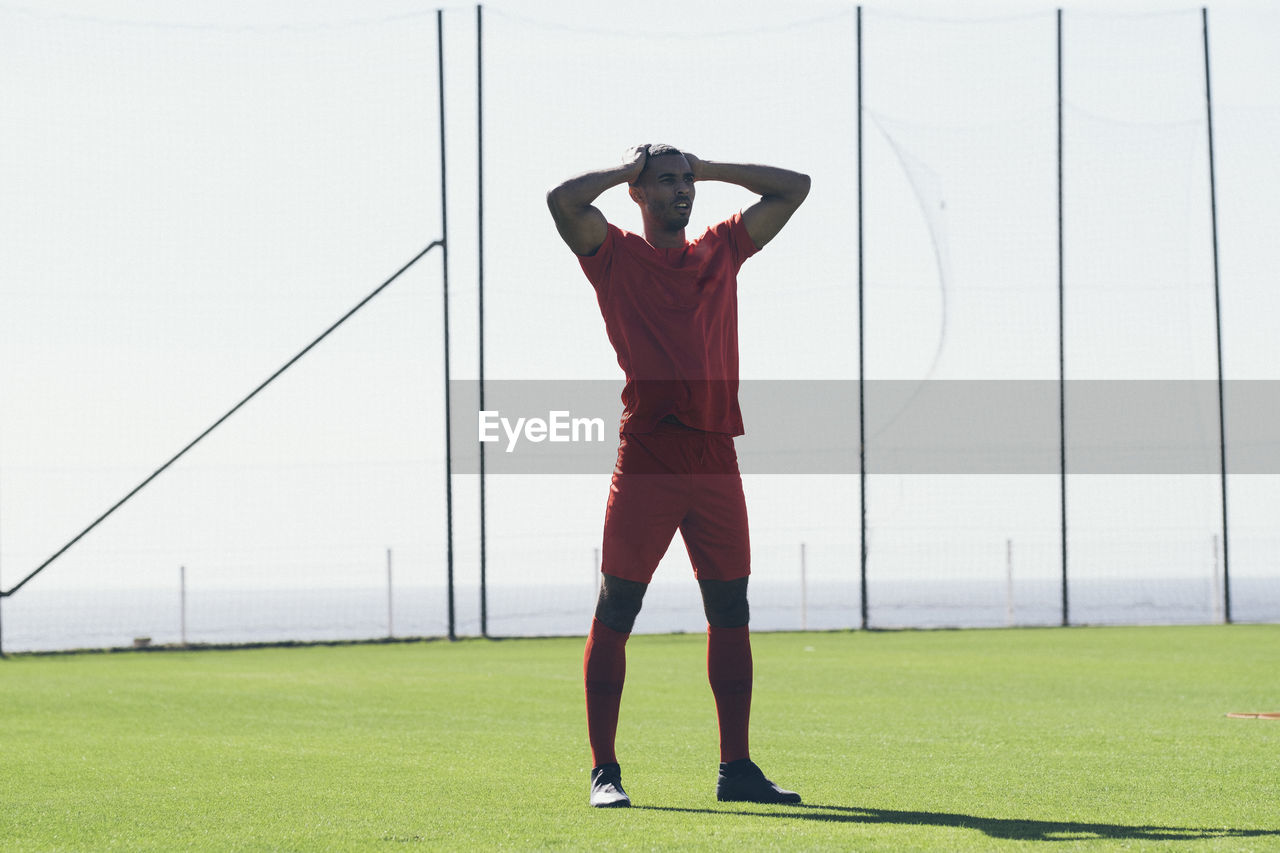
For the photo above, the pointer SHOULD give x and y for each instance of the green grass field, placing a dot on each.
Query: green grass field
(1097, 738)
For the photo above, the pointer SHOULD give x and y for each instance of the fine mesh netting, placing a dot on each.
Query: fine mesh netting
(193, 195)
(961, 284)
(710, 86)
(187, 205)
(1246, 125)
(1139, 305)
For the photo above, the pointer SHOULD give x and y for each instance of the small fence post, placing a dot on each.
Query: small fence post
(390, 600)
(804, 593)
(1008, 583)
(182, 602)
(1215, 594)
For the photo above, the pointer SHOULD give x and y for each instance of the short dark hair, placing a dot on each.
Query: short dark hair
(662, 150)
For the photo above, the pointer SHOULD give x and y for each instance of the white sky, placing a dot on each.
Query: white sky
(192, 192)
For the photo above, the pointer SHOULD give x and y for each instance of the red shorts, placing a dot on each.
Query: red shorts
(674, 478)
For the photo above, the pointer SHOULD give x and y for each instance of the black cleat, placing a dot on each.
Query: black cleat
(742, 781)
(606, 788)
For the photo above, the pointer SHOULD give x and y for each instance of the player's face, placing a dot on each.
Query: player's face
(667, 189)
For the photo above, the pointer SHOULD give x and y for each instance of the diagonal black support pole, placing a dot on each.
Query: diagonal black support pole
(221, 420)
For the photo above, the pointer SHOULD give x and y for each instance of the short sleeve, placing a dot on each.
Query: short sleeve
(743, 246)
(597, 266)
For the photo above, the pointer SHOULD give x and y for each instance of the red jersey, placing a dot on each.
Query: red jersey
(672, 317)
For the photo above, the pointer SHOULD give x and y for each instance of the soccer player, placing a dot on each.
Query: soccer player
(671, 312)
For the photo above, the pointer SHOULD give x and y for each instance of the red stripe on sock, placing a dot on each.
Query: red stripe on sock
(604, 668)
(729, 670)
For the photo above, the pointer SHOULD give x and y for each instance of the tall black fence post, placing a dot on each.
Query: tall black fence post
(1062, 357)
(1217, 308)
(862, 416)
(484, 587)
(444, 262)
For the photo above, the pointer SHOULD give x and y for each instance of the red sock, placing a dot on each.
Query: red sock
(729, 671)
(604, 667)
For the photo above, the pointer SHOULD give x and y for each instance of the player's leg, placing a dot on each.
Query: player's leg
(718, 540)
(716, 536)
(604, 669)
(729, 669)
(640, 520)
(729, 663)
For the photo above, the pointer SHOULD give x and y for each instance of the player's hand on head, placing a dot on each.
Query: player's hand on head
(634, 159)
(694, 164)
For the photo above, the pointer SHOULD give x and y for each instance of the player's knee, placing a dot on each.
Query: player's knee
(725, 603)
(619, 603)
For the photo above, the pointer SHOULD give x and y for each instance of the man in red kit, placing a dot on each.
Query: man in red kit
(671, 312)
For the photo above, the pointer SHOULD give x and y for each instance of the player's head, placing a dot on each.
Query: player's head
(664, 189)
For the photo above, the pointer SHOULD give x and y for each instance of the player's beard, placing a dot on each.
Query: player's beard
(668, 218)
(677, 218)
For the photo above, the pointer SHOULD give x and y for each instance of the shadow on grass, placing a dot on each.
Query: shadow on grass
(1010, 828)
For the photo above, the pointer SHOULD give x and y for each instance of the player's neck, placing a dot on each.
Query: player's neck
(661, 238)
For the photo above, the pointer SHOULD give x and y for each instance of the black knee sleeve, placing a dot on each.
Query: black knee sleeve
(725, 603)
(619, 603)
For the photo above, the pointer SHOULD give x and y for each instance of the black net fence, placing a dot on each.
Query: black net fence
(996, 397)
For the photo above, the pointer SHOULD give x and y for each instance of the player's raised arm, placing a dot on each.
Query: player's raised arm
(581, 224)
(781, 192)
